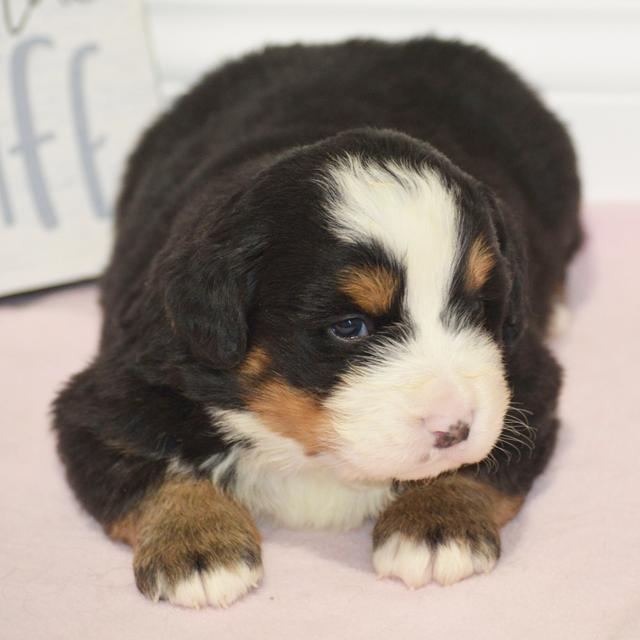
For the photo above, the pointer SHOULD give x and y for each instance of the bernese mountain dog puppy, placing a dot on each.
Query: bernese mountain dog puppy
(334, 274)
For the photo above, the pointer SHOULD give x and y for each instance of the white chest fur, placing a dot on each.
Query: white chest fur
(276, 479)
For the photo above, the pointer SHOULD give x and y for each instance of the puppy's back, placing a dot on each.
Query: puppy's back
(457, 97)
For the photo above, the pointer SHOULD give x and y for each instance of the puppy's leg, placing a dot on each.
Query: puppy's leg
(193, 545)
(119, 439)
(443, 530)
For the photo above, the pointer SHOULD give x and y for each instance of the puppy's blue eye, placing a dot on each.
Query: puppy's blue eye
(350, 329)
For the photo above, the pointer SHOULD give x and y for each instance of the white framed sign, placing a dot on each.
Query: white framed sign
(76, 89)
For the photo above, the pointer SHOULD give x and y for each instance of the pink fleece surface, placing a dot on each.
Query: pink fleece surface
(571, 560)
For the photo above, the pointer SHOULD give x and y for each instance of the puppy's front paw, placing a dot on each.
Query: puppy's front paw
(416, 562)
(199, 586)
(195, 547)
(443, 532)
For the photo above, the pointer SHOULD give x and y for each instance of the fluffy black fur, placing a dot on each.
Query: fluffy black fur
(220, 244)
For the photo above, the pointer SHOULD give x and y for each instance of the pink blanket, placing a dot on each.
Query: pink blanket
(571, 560)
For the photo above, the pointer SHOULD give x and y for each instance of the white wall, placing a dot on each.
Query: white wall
(583, 56)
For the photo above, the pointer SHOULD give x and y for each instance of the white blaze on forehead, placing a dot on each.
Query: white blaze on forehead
(410, 213)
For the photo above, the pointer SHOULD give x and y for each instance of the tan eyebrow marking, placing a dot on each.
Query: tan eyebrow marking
(256, 362)
(480, 262)
(371, 288)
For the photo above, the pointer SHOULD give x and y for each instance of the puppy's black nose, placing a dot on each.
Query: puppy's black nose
(456, 433)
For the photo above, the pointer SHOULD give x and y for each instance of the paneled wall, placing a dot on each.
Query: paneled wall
(584, 57)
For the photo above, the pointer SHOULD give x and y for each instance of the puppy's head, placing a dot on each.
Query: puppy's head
(362, 294)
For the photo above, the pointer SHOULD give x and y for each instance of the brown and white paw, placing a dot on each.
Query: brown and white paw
(216, 587)
(417, 562)
(443, 531)
(194, 546)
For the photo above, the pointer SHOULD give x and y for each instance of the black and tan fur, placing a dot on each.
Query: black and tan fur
(224, 267)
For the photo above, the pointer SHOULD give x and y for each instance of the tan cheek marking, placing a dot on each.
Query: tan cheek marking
(480, 262)
(293, 413)
(372, 289)
(256, 362)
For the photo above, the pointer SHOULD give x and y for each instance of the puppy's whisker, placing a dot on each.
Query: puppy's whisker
(516, 441)
(513, 406)
(511, 445)
(504, 451)
(515, 435)
(490, 462)
(518, 438)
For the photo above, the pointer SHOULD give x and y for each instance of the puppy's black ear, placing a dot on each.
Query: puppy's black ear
(207, 280)
(511, 245)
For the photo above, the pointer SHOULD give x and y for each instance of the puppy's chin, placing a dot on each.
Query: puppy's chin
(355, 474)
(420, 467)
